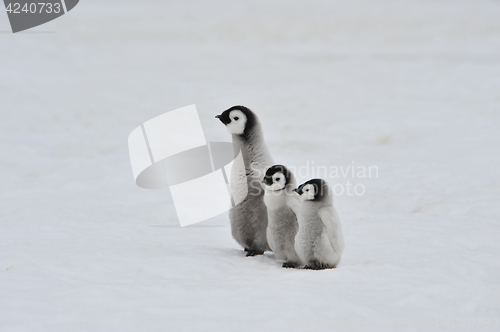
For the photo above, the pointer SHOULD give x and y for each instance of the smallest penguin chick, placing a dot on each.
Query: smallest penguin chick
(282, 208)
(319, 241)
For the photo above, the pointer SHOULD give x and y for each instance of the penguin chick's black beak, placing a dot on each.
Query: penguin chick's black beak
(220, 118)
(224, 118)
(298, 191)
(267, 180)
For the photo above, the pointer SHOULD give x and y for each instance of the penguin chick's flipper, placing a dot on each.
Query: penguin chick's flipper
(251, 252)
(289, 265)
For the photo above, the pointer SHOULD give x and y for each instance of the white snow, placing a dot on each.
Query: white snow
(411, 87)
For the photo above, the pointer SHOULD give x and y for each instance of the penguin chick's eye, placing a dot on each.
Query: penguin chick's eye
(236, 118)
(277, 179)
(307, 189)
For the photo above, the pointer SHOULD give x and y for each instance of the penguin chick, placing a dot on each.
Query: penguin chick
(319, 241)
(282, 208)
(249, 217)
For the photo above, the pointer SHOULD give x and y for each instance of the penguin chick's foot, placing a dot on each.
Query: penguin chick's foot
(252, 252)
(290, 265)
(316, 265)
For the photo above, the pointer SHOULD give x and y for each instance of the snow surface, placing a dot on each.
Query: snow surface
(411, 87)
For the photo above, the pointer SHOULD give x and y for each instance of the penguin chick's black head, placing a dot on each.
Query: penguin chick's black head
(318, 186)
(239, 120)
(274, 174)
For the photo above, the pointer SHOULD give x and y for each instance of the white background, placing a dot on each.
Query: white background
(409, 86)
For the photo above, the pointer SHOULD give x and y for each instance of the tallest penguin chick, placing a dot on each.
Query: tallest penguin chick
(249, 217)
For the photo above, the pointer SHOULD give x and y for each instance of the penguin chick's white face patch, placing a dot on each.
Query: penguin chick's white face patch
(308, 192)
(279, 181)
(238, 122)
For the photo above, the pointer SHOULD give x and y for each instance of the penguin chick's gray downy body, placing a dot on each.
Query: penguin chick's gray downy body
(249, 217)
(282, 208)
(319, 241)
